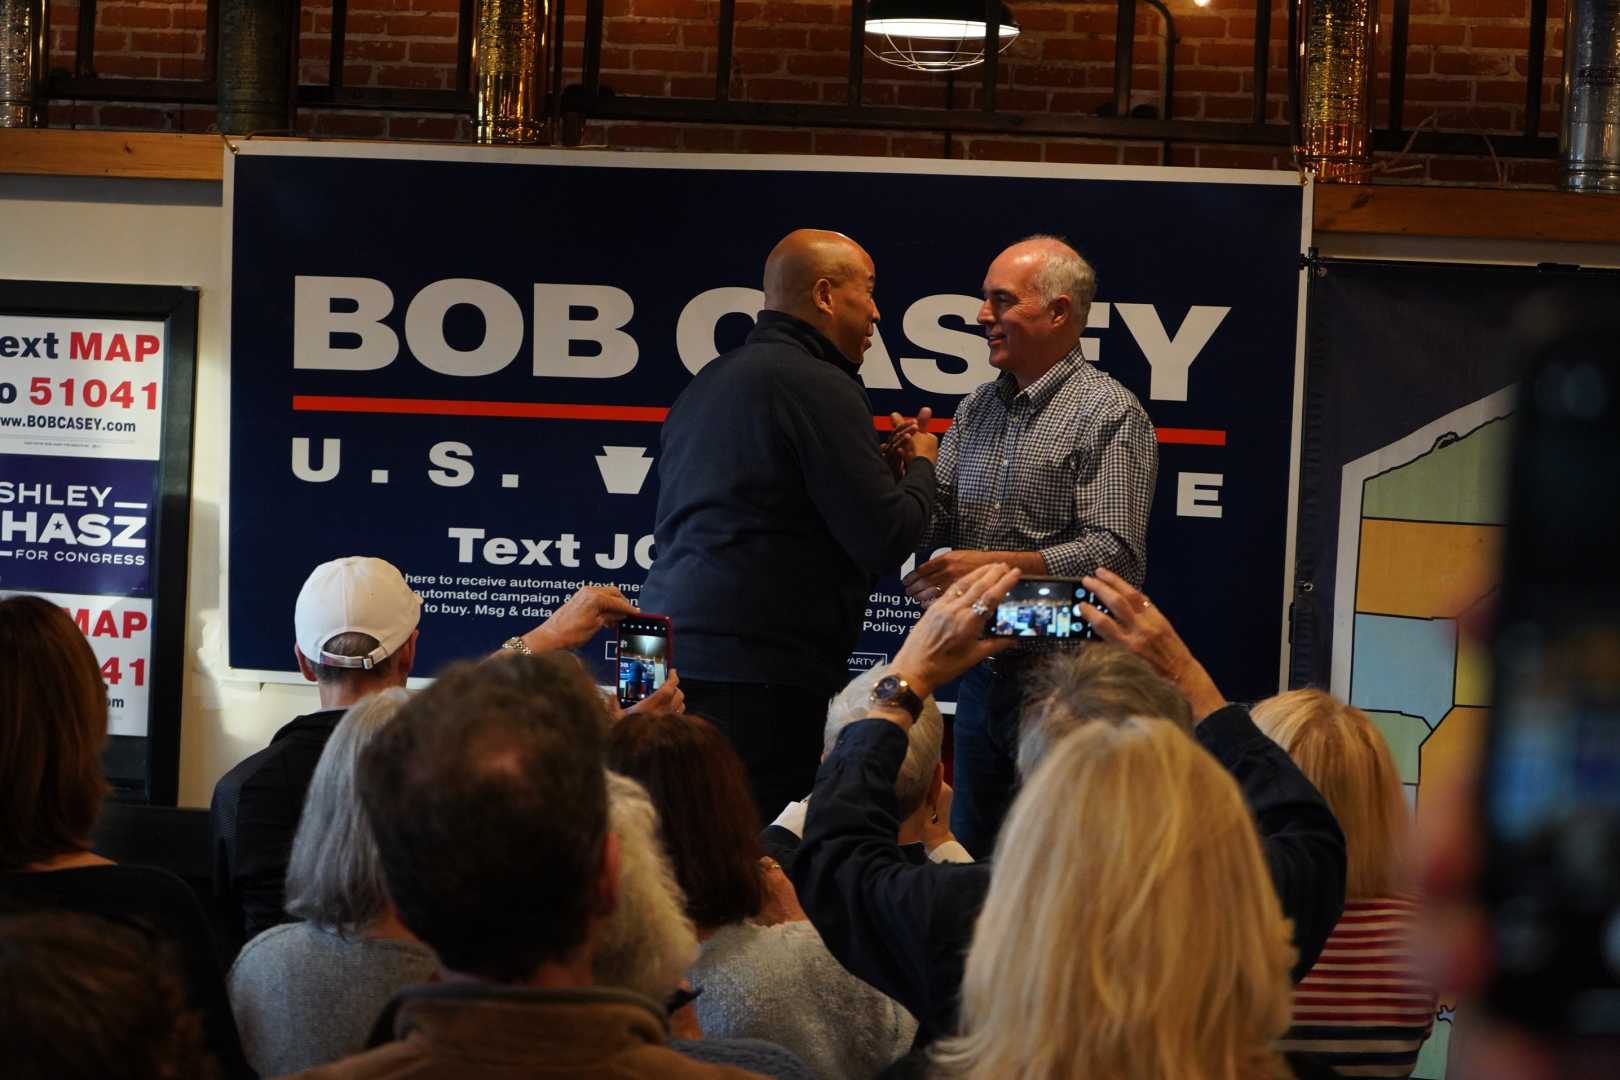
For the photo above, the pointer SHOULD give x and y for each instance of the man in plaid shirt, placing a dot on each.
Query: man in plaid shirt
(1049, 468)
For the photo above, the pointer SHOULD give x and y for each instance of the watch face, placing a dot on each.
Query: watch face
(888, 688)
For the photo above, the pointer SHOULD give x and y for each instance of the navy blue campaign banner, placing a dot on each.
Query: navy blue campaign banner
(76, 525)
(458, 358)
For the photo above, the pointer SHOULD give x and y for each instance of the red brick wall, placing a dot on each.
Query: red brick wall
(1466, 64)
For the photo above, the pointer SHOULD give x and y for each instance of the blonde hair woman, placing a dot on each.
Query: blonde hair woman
(1364, 1006)
(1131, 929)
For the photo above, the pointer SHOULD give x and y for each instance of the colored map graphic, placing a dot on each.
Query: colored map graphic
(1419, 532)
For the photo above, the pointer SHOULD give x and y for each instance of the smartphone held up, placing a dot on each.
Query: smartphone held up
(1044, 607)
(645, 654)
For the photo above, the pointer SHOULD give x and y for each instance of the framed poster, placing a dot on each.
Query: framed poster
(96, 387)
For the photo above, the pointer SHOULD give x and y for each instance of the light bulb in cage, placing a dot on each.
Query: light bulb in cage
(933, 35)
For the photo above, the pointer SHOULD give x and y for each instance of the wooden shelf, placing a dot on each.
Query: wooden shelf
(148, 155)
(1453, 212)
(1489, 213)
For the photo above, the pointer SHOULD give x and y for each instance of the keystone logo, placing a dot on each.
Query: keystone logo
(623, 468)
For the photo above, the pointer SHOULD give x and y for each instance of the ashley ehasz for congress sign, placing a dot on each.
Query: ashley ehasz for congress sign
(80, 439)
(458, 359)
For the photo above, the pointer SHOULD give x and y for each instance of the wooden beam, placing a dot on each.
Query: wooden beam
(151, 155)
(1486, 213)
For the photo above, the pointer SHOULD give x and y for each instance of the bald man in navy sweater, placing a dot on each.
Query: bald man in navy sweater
(778, 512)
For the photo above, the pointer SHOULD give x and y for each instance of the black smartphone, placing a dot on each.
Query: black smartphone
(1044, 607)
(1551, 784)
(646, 644)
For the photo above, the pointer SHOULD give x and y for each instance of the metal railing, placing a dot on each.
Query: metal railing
(593, 97)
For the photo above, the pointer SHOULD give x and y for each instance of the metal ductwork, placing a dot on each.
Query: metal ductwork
(255, 65)
(1336, 96)
(22, 63)
(509, 74)
(1589, 140)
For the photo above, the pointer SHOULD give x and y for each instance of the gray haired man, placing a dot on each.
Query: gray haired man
(921, 791)
(1050, 469)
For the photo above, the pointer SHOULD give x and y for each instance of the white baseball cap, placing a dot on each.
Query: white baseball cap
(355, 595)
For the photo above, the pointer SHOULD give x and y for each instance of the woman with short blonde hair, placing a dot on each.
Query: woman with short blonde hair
(1364, 1007)
(1131, 928)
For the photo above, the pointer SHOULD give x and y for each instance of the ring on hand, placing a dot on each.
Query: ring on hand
(1146, 604)
(953, 591)
(979, 607)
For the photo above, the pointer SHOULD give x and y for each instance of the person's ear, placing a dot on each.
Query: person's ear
(607, 881)
(821, 295)
(405, 659)
(305, 668)
(1062, 311)
(936, 786)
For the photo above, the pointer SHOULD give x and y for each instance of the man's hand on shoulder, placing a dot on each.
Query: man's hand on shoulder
(582, 616)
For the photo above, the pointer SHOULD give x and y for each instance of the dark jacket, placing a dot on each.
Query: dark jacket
(254, 815)
(776, 513)
(461, 1031)
(906, 928)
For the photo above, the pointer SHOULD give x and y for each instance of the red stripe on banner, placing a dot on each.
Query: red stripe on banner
(531, 410)
(938, 424)
(540, 410)
(1186, 436)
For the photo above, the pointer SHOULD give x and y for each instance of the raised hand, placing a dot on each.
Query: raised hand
(581, 617)
(669, 698)
(948, 639)
(911, 439)
(1134, 623)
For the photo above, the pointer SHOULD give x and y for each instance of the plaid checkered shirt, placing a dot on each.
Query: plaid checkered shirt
(1065, 467)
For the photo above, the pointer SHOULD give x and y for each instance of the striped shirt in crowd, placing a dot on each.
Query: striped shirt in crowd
(1365, 1007)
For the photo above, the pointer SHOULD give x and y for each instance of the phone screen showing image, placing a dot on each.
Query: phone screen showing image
(644, 657)
(1044, 608)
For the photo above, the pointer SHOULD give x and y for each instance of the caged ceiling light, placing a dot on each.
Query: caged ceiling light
(933, 35)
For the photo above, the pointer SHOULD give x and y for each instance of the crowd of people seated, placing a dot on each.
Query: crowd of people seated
(507, 875)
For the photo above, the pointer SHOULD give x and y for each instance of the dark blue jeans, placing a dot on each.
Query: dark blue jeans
(989, 703)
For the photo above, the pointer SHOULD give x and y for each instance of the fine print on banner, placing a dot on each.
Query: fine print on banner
(80, 427)
(529, 598)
